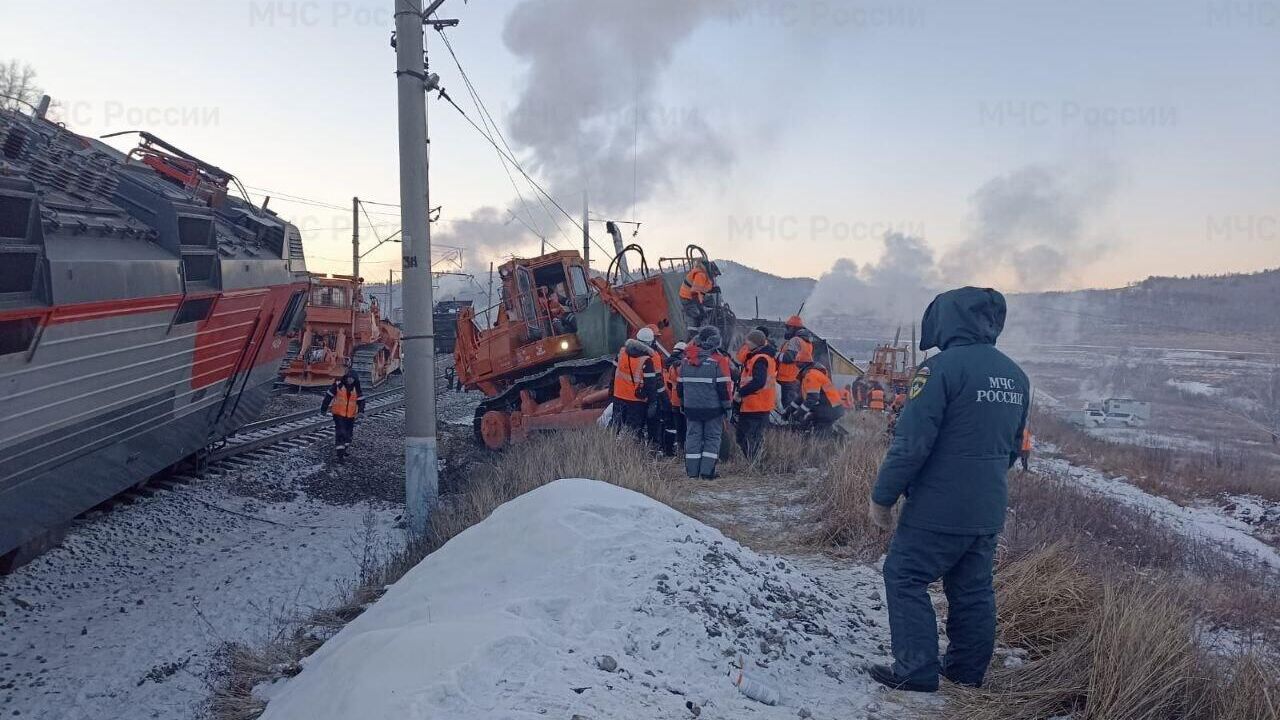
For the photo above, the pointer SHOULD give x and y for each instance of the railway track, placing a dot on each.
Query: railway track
(252, 443)
(267, 433)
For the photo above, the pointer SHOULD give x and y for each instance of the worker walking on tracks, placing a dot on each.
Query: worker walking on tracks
(345, 401)
(956, 440)
(795, 354)
(697, 285)
(635, 383)
(706, 396)
(757, 394)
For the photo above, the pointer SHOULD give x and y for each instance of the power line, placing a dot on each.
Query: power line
(517, 166)
(483, 110)
(371, 225)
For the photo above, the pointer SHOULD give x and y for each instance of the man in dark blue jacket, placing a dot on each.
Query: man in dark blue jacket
(955, 441)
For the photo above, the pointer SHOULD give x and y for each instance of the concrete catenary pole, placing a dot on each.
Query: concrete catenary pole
(586, 233)
(355, 238)
(421, 481)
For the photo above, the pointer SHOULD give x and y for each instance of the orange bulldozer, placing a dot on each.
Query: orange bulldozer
(545, 353)
(344, 330)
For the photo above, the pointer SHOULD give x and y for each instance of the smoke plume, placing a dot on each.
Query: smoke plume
(894, 289)
(590, 98)
(1032, 225)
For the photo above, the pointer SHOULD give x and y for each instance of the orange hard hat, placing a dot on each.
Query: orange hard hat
(795, 321)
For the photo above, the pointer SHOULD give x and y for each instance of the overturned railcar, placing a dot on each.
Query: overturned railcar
(143, 315)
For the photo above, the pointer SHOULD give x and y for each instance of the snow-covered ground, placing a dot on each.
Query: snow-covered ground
(1204, 522)
(124, 618)
(1193, 387)
(1148, 438)
(584, 600)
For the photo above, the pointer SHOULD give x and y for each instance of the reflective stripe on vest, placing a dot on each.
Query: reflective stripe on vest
(346, 403)
(764, 399)
(629, 377)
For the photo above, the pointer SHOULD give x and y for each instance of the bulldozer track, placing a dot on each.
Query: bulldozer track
(510, 397)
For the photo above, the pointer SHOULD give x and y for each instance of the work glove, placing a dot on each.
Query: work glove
(881, 515)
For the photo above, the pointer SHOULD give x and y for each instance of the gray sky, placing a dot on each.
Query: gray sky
(1032, 145)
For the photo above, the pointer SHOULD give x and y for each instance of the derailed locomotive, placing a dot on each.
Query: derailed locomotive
(144, 312)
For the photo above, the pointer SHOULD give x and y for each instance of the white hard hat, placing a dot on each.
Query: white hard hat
(682, 345)
(645, 335)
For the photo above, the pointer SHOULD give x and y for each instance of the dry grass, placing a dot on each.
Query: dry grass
(842, 493)
(594, 453)
(1106, 601)
(1124, 544)
(1044, 599)
(1132, 657)
(1180, 475)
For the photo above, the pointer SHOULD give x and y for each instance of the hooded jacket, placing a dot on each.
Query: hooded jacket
(704, 383)
(960, 430)
(337, 386)
(635, 367)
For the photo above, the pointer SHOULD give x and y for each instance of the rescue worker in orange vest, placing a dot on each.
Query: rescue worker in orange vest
(876, 401)
(674, 426)
(757, 395)
(345, 401)
(660, 406)
(1024, 453)
(819, 400)
(899, 400)
(693, 294)
(635, 383)
(795, 354)
(740, 356)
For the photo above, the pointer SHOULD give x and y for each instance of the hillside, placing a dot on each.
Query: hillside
(1222, 312)
(779, 297)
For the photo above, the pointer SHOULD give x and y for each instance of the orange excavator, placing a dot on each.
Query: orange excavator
(545, 353)
(344, 330)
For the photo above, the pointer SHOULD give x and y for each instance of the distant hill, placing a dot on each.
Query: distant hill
(779, 297)
(1218, 311)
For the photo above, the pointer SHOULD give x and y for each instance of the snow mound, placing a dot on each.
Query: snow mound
(514, 618)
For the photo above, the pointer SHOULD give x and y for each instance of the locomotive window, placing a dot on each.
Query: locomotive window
(195, 231)
(17, 335)
(292, 313)
(15, 213)
(193, 310)
(18, 272)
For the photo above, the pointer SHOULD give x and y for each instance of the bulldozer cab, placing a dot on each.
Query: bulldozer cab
(543, 294)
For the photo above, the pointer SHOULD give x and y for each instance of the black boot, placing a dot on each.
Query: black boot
(883, 674)
(958, 681)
